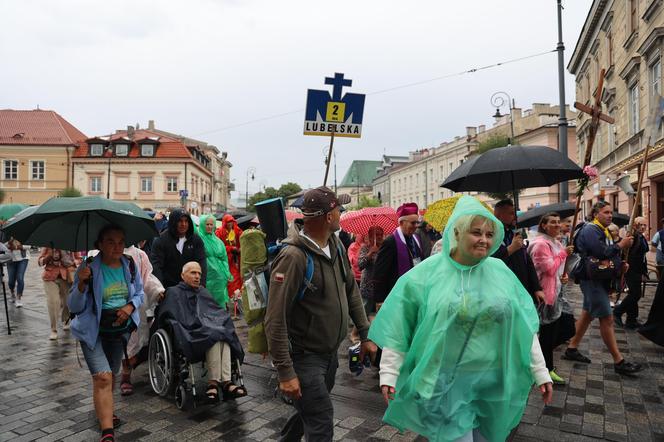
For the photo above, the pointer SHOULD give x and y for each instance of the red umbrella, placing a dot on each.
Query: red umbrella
(359, 221)
(292, 215)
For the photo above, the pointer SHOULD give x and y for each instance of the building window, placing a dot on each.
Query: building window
(146, 184)
(171, 184)
(633, 15)
(609, 46)
(121, 150)
(634, 109)
(147, 150)
(95, 184)
(37, 170)
(96, 150)
(655, 77)
(11, 169)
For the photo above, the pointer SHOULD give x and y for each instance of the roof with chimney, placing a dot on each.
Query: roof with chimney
(37, 128)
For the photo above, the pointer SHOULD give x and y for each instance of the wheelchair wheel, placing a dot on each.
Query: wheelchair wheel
(161, 363)
(181, 397)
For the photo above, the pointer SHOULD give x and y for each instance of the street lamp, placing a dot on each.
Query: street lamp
(109, 149)
(250, 171)
(498, 100)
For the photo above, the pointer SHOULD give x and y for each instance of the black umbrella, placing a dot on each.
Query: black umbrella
(533, 216)
(620, 219)
(507, 169)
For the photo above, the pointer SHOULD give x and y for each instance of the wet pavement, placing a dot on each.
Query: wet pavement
(46, 396)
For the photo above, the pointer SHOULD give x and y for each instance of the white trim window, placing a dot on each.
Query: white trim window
(95, 184)
(171, 184)
(121, 150)
(655, 70)
(10, 169)
(96, 150)
(146, 184)
(634, 109)
(147, 150)
(37, 170)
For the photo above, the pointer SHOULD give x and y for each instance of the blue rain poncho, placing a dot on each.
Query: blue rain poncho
(466, 333)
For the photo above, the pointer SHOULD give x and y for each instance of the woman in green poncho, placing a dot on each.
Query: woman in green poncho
(218, 273)
(459, 358)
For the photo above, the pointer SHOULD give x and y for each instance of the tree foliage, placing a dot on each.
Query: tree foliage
(282, 192)
(366, 201)
(69, 192)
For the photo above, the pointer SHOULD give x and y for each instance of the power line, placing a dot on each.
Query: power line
(382, 91)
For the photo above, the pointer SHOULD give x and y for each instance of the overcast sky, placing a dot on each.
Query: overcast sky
(201, 66)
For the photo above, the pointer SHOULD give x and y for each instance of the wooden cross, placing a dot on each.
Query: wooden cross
(595, 112)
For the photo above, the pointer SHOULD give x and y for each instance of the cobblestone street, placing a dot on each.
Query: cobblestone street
(47, 396)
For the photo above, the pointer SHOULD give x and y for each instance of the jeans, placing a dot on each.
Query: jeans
(314, 412)
(105, 357)
(15, 273)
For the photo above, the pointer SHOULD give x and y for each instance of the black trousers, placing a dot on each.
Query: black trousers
(630, 304)
(548, 337)
(314, 413)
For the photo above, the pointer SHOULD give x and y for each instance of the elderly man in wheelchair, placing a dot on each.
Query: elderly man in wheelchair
(191, 327)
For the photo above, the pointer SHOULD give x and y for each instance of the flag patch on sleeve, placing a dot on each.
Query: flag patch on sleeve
(279, 277)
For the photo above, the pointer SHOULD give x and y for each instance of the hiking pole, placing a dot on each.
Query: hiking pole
(4, 293)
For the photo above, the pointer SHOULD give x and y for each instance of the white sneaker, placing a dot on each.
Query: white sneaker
(53, 336)
(18, 304)
(66, 326)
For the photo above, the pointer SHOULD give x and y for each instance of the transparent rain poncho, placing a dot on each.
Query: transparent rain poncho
(466, 333)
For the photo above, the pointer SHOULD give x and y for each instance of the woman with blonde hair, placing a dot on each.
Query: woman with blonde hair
(458, 334)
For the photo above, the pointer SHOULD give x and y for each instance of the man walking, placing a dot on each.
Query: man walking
(306, 320)
(175, 247)
(657, 241)
(636, 274)
(594, 241)
(400, 252)
(513, 252)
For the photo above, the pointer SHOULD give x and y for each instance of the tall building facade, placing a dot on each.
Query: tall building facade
(626, 38)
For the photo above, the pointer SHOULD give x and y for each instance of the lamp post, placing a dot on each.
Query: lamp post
(562, 118)
(109, 149)
(498, 100)
(250, 171)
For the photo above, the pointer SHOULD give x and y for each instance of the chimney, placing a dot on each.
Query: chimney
(481, 128)
(151, 125)
(130, 132)
(137, 126)
(471, 132)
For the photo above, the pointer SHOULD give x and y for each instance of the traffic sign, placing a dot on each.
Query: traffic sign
(327, 114)
(184, 193)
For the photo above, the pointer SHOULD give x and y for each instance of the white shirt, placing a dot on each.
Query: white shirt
(180, 244)
(325, 249)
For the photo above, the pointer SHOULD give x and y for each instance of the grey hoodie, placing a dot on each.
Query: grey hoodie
(317, 323)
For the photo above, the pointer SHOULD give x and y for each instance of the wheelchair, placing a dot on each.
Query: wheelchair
(171, 373)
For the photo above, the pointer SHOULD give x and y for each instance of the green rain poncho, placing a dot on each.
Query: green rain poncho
(466, 333)
(218, 273)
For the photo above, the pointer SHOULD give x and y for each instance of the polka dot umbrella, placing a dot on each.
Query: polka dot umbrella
(359, 221)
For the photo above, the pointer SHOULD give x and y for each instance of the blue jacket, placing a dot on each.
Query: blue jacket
(85, 326)
(591, 241)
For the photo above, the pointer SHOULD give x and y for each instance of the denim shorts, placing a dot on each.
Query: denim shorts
(595, 298)
(106, 356)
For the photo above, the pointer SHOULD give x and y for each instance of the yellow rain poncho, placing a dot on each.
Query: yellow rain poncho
(466, 333)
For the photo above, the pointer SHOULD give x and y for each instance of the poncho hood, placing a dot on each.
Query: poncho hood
(469, 206)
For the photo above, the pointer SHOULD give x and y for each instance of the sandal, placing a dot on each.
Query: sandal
(126, 388)
(233, 393)
(212, 392)
(107, 436)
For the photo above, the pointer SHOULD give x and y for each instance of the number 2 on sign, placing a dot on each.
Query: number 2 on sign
(335, 111)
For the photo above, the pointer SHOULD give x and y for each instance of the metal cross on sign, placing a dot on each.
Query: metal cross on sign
(595, 112)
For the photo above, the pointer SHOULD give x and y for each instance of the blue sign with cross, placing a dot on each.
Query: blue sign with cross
(341, 115)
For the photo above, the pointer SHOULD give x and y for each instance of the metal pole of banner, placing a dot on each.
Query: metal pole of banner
(329, 157)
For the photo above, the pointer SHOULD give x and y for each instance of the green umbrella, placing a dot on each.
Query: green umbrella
(9, 210)
(73, 223)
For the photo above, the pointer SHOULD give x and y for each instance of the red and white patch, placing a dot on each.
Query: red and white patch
(279, 277)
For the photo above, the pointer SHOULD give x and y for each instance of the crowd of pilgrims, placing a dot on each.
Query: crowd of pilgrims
(454, 373)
